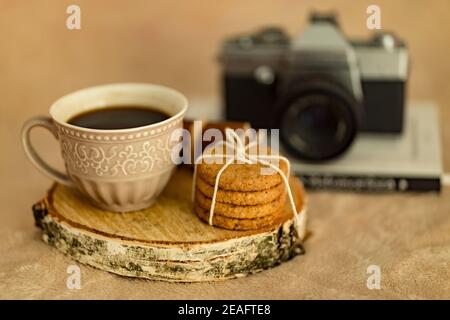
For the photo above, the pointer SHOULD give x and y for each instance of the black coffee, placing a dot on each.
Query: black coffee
(118, 117)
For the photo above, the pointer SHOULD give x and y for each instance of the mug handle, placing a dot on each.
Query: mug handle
(34, 157)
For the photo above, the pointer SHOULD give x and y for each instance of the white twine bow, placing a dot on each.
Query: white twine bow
(240, 153)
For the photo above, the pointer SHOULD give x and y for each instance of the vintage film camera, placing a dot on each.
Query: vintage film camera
(320, 89)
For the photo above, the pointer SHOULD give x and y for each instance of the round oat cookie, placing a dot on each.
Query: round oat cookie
(241, 177)
(249, 198)
(241, 212)
(238, 224)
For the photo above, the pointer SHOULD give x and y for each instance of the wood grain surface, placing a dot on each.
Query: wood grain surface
(175, 43)
(169, 221)
(166, 241)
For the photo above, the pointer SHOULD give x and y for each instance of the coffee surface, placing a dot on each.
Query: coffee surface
(118, 117)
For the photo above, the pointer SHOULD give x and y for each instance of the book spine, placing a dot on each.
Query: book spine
(370, 183)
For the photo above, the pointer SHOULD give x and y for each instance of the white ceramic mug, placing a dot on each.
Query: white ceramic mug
(119, 170)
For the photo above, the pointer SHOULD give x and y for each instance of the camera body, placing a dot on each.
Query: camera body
(319, 89)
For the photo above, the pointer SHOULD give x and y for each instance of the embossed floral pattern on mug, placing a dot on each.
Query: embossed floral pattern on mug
(118, 159)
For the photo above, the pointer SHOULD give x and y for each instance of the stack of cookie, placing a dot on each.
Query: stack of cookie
(246, 199)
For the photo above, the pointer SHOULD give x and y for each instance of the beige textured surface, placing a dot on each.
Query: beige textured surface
(174, 43)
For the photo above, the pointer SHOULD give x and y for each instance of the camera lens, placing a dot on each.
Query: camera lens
(319, 122)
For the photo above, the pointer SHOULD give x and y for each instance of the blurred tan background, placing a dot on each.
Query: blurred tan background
(175, 43)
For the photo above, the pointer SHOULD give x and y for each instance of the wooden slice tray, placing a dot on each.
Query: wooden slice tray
(166, 241)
